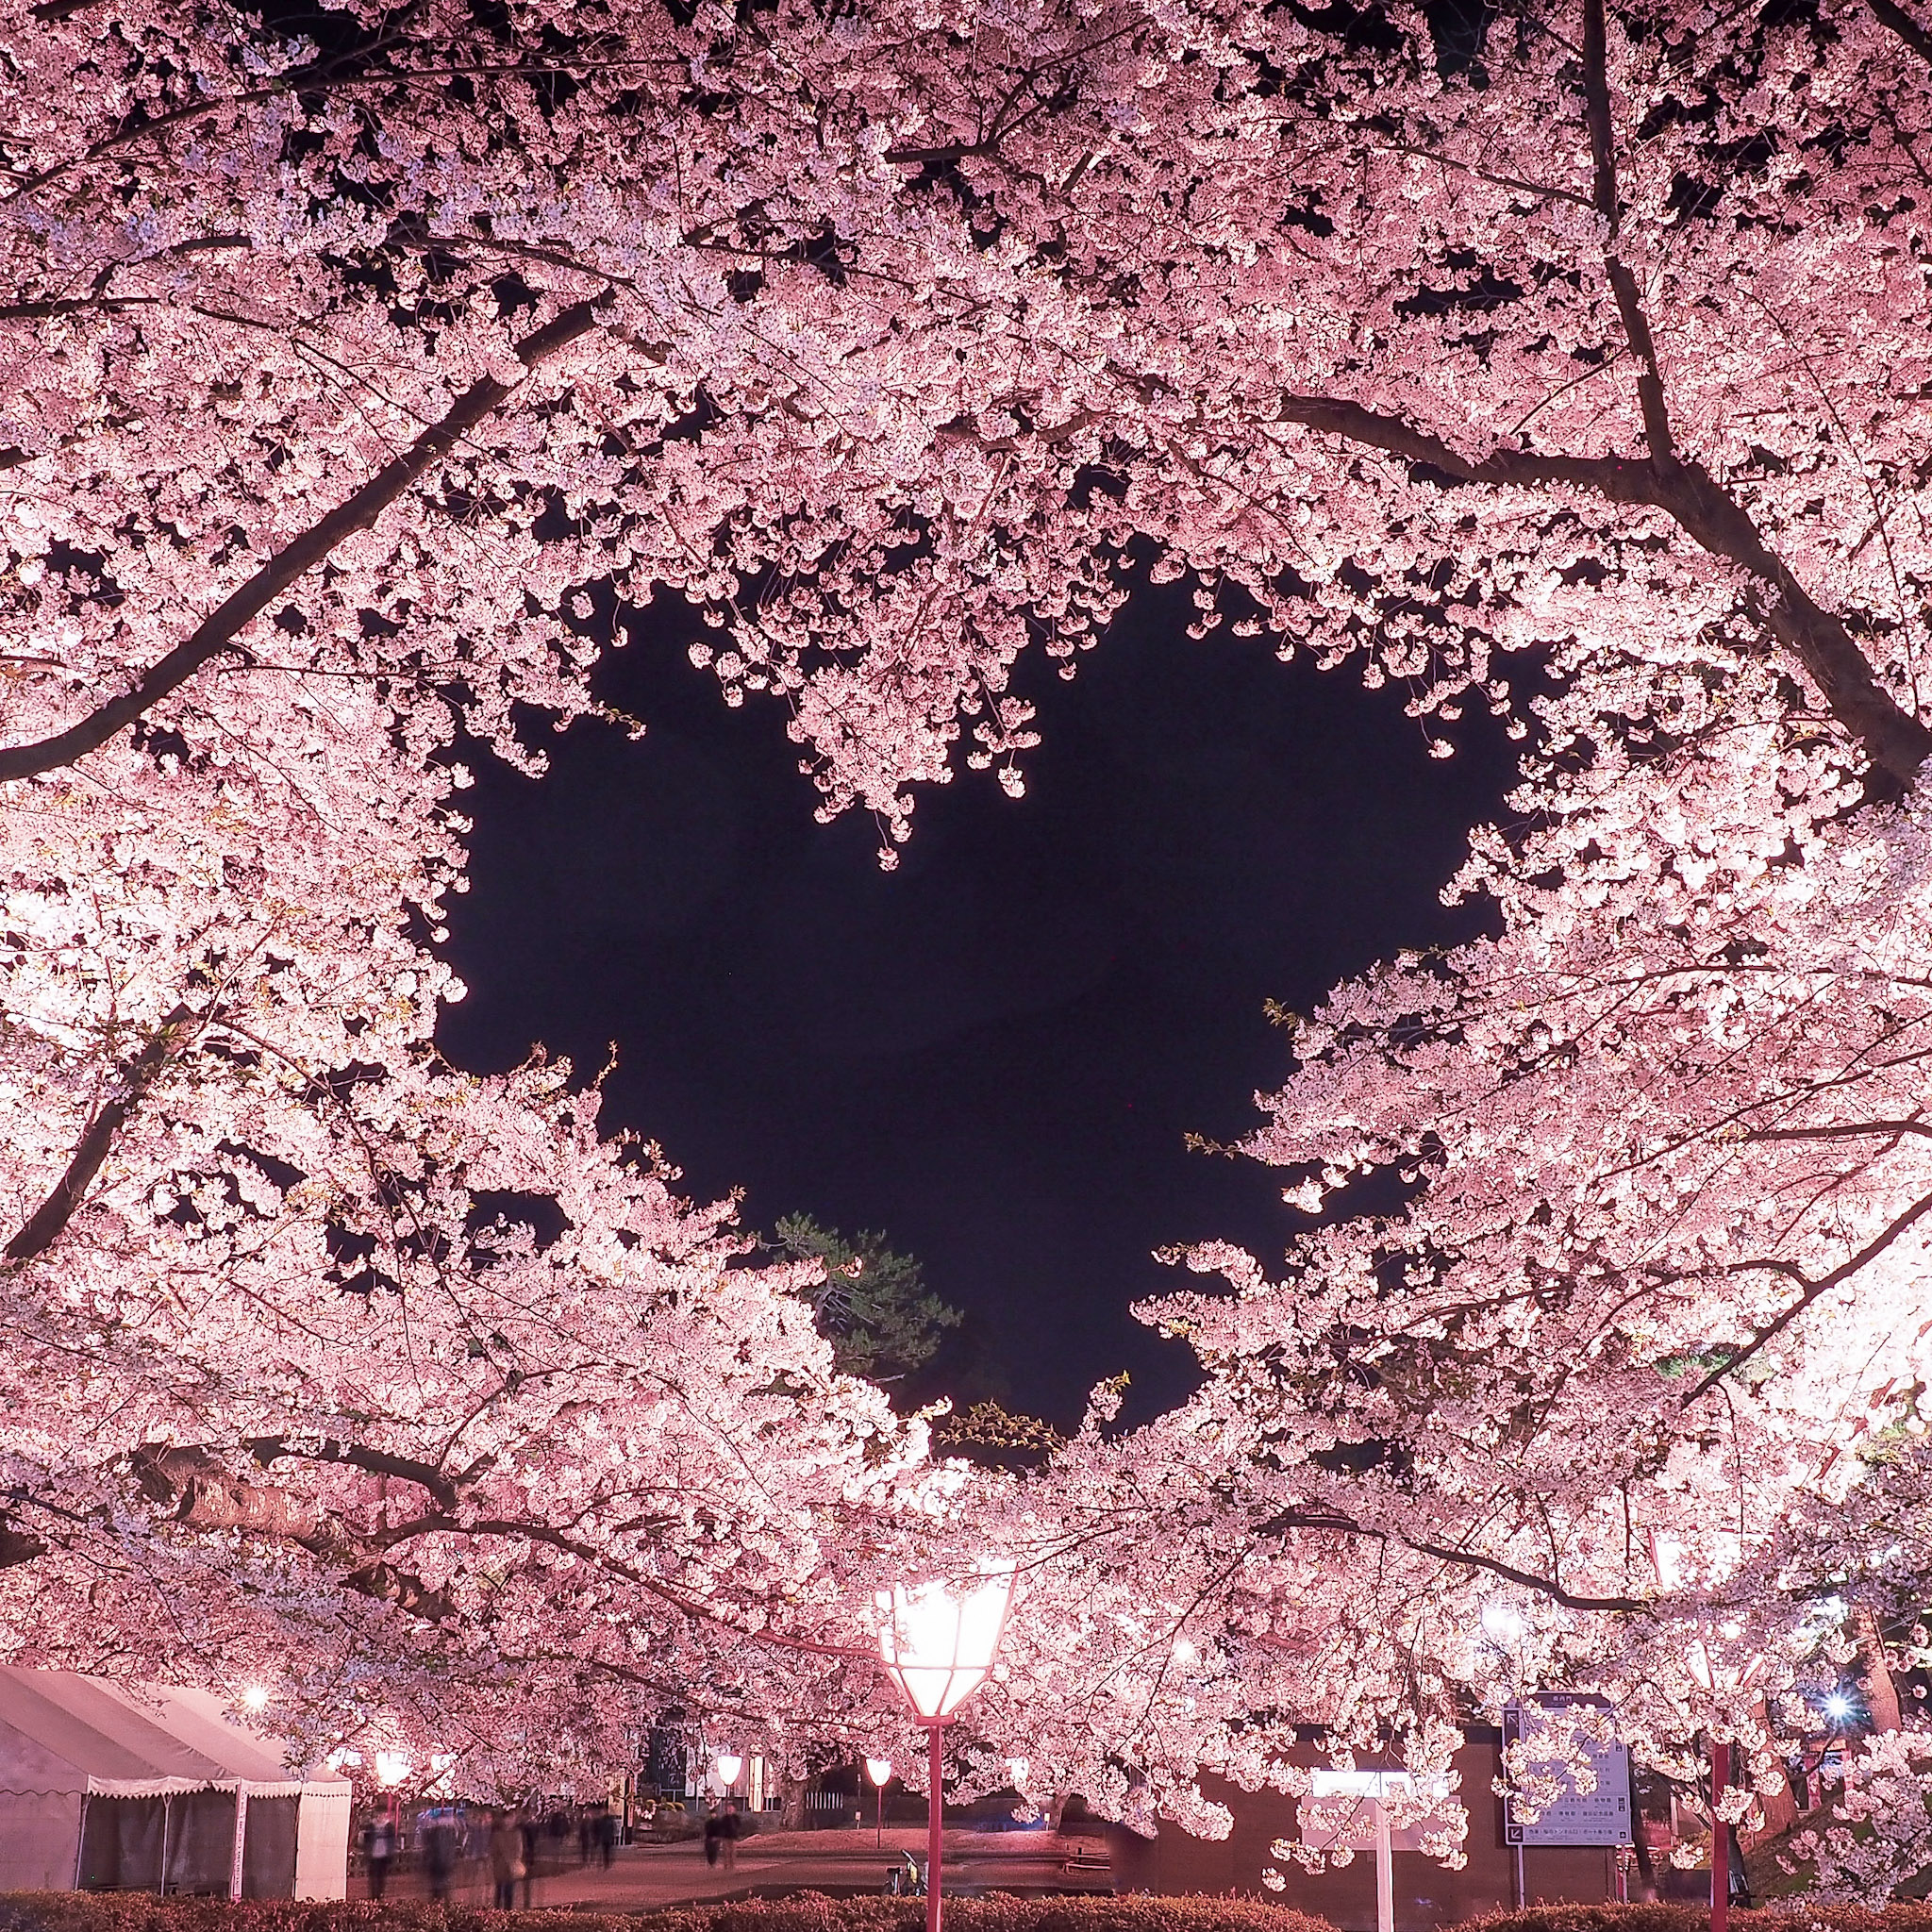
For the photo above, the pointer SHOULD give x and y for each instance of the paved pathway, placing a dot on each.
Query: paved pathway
(776, 1862)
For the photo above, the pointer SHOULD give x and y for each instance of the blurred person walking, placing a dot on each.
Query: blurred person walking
(505, 1858)
(378, 1848)
(528, 1824)
(436, 1830)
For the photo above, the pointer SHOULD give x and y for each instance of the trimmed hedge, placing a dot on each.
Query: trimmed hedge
(1795, 1915)
(129, 1911)
(69, 1911)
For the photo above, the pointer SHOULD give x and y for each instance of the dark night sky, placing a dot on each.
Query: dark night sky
(994, 1053)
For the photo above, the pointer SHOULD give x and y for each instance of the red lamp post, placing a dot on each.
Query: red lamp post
(1720, 1839)
(939, 1643)
(1729, 1680)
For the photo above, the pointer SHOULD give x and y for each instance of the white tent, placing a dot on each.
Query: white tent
(150, 1788)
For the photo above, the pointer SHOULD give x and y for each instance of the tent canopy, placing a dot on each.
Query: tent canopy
(152, 1787)
(138, 1741)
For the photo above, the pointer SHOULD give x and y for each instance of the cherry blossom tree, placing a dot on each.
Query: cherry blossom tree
(884, 353)
(400, 1394)
(1563, 360)
(1637, 1363)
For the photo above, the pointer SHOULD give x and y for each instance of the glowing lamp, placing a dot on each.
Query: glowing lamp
(880, 1771)
(727, 1766)
(255, 1698)
(940, 1644)
(1017, 1769)
(1501, 1621)
(1838, 1707)
(392, 1768)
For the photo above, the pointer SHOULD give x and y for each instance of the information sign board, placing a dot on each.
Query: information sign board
(1573, 1817)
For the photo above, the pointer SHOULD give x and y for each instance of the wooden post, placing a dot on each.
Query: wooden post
(80, 1844)
(241, 1839)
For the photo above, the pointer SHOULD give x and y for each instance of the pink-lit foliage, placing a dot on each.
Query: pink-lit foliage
(352, 387)
(399, 1392)
(1608, 1320)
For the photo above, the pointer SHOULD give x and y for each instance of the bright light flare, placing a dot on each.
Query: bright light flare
(1838, 1707)
(1501, 1621)
(255, 1698)
(392, 1768)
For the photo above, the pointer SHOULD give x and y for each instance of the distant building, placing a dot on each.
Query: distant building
(149, 1788)
(1427, 1894)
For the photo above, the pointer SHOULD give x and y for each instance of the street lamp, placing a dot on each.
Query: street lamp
(940, 1643)
(880, 1771)
(727, 1764)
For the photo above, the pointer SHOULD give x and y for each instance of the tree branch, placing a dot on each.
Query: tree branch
(1843, 1130)
(1888, 13)
(385, 1584)
(218, 634)
(44, 1225)
(1894, 741)
(325, 78)
(1808, 1292)
(515, 1528)
(270, 1449)
(1335, 1523)
(1603, 155)
(18, 1546)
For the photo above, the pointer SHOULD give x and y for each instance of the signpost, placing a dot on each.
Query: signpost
(1600, 1816)
(1349, 1811)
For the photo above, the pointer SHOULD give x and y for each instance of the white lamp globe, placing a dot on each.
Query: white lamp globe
(940, 1641)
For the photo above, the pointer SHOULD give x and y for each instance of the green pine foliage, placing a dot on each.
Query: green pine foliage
(873, 1306)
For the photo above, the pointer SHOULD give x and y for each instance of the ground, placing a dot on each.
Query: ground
(837, 1862)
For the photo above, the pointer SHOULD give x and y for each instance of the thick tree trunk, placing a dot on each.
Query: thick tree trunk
(1874, 1675)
